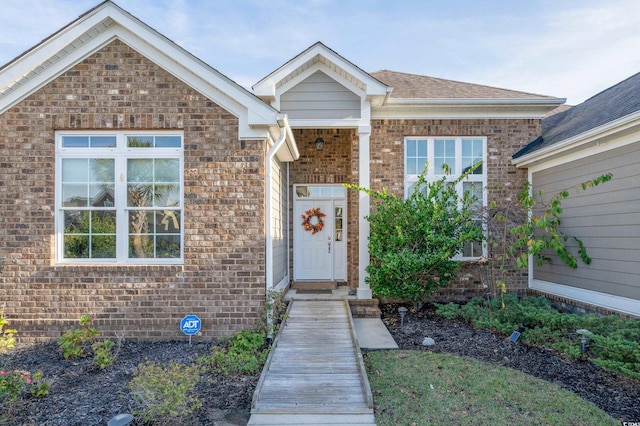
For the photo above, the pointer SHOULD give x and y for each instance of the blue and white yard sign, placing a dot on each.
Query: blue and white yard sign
(190, 325)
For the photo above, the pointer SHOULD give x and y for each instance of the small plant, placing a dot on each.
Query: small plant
(16, 382)
(74, 343)
(103, 356)
(163, 391)
(246, 354)
(7, 339)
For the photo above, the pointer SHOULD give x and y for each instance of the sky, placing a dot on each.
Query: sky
(564, 48)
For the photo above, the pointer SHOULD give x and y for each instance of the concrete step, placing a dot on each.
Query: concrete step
(259, 419)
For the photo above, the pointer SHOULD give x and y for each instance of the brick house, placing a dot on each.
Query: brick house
(140, 184)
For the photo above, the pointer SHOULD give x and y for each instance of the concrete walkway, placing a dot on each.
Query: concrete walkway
(315, 373)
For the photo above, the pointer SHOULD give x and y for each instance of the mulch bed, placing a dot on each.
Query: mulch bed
(83, 395)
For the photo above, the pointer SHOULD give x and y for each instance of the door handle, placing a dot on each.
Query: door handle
(329, 246)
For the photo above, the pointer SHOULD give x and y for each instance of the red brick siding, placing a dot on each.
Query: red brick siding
(223, 276)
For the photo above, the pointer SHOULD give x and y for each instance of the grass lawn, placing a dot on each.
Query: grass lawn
(425, 388)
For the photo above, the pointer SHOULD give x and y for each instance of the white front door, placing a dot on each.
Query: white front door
(313, 246)
(319, 251)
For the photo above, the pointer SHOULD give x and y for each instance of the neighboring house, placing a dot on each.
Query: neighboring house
(141, 185)
(601, 135)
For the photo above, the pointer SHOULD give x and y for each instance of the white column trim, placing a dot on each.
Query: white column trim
(364, 133)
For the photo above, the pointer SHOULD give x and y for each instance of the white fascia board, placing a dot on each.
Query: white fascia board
(466, 108)
(604, 300)
(614, 134)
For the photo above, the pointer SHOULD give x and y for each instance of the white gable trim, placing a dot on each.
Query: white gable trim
(108, 22)
(267, 87)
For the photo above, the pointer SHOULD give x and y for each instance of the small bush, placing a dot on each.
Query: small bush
(246, 354)
(75, 343)
(163, 391)
(14, 383)
(103, 355)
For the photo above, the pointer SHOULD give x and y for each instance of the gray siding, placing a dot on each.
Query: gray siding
(320, 97)
(279, 220)
(605, 218)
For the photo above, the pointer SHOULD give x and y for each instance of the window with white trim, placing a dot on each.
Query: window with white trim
(119, 197)
(448, 157)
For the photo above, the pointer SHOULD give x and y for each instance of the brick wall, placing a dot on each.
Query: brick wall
(222, 279)
(504, 181)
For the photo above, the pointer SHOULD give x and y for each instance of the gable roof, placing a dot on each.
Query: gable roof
(319, 55)
(607, 107)
(413, 86)
(100, 26)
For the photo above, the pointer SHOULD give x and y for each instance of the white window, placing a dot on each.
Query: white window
(119, 197)
(448, 157)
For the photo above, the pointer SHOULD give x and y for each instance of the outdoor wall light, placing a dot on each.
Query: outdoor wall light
(319, 144)
(403, 312)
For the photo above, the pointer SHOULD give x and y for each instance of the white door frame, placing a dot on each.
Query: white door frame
(326, 259)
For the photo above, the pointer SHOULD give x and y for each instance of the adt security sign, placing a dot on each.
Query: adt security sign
(190, 325)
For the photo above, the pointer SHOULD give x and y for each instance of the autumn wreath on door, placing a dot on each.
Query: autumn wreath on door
(309, 224)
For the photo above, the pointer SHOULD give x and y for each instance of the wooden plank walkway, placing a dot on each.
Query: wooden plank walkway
(314, 373)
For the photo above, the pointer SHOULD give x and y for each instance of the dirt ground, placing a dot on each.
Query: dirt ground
(83, 395)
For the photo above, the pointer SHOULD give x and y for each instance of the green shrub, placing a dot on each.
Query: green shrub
(163, 391)
(75, 343)
(103, 355)
(14, 383)
(412, 242)
(245, 354)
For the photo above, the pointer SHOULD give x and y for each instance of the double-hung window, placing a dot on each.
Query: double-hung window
(449, 157)
(119, 197)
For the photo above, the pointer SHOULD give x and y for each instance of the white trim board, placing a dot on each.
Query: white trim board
(603, 300)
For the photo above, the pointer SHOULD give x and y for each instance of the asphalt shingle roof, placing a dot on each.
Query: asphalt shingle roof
(413, 86)
(611, 104)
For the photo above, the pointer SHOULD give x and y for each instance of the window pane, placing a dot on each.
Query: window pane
(411, 148)
(444, 155)
(74, 195)
(472, 150)
(103, 141)
(168, 141)
(141, 224)
(75, 170)
(140, 141)
(422, 148)
(101, 195)
(89, 234)
(412, 167)
(168, 246)
(168, 221)
(166, 195)
(167, 170)
(75, 141)
(474, 189)
(102, 170)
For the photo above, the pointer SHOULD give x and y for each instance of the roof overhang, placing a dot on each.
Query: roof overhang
(620, 132)
(468, 108)
(108, 22)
